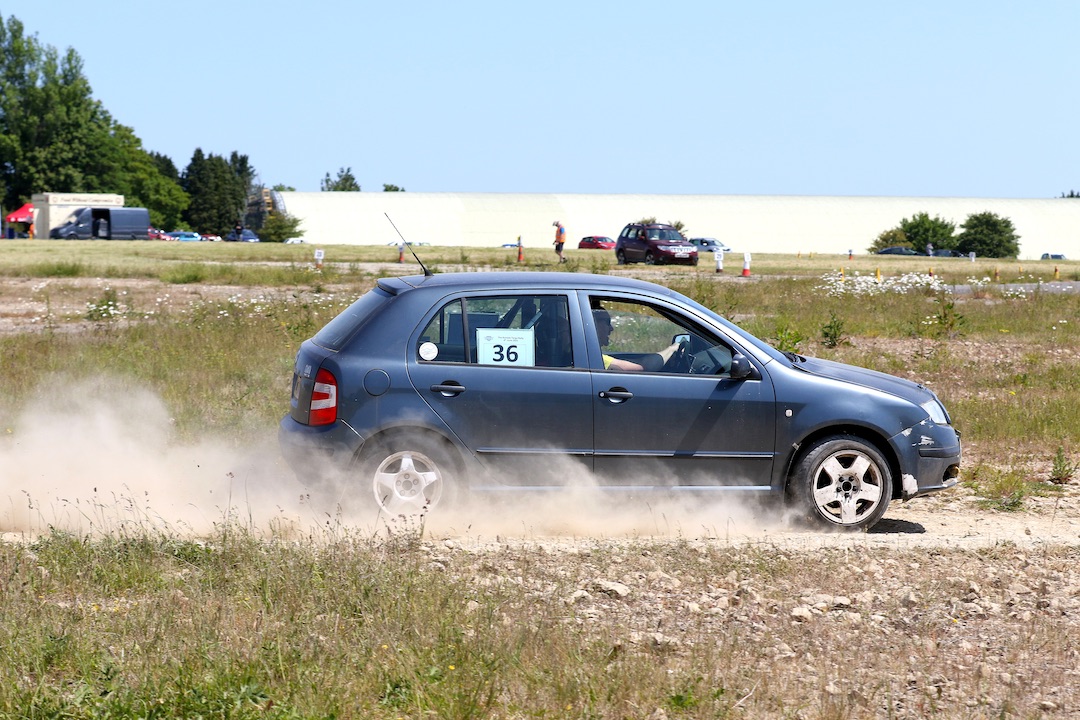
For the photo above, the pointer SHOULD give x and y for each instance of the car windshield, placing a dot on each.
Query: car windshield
(735, 330)
(664, 234)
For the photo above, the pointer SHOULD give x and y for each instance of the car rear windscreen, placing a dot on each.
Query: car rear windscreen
(338, 331)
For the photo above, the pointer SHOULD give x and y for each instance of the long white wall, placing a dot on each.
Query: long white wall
(753, 223)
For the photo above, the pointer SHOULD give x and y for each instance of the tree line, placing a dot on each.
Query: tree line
(55, 137)
(985, 234)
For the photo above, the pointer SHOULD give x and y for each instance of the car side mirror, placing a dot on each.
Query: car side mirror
(680, 339)
(740, 367)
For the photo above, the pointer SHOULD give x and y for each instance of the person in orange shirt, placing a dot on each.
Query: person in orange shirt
(560, 240)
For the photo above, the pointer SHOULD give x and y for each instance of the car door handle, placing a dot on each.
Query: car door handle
(616, 395)
(448, 389)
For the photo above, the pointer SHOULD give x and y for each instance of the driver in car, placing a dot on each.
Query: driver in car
(602, 320)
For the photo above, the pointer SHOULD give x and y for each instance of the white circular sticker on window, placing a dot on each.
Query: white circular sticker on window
(429, 351)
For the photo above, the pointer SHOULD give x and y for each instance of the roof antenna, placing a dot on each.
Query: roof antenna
(427, 273)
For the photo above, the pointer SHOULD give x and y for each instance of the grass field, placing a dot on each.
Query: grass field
(195, 342)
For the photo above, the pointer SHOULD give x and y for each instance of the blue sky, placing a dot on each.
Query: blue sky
(920, 98)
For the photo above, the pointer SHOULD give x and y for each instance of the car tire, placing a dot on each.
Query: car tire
(409, 476)
(650, 259)
(842, 482)
(620, 257)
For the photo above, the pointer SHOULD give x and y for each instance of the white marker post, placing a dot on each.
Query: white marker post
(318, 259)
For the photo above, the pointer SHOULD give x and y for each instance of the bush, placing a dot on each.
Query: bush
(279, 227)
(989, 235)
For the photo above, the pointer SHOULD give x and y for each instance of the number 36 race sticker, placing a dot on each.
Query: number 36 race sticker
(505, 347)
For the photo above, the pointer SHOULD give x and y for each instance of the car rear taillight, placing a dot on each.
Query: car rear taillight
(323, 399)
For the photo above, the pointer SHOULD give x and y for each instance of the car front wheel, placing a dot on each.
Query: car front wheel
(842, 482)
(409, 476)
(650, 259)
(620, 257)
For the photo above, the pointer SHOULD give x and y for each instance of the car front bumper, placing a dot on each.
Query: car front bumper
(929, 457)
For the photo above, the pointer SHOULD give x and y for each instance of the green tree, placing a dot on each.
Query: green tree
(279, 227)
(54, 137)
(893, 237)
(1072, 194)
(217, 195)
(989, 235)
(165, 166)
(284, 188)
(345, 182)
(922, 230)
(143, 184)
(392, 188)
(249, 191)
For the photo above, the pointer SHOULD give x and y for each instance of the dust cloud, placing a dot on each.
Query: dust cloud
(101, 457)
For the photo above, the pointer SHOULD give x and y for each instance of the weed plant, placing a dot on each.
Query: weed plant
(832, 332)
(1062, 469)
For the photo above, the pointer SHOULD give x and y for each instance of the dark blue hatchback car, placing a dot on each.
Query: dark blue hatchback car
(431, 386)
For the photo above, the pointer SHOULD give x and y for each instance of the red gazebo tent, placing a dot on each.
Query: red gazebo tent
(25, 214)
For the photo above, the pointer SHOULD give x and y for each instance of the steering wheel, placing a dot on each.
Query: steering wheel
(681, 361)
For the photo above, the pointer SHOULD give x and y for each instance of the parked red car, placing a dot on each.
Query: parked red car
(596, 242)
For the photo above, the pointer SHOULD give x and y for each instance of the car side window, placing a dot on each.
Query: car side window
(637, 336)
(510, 330)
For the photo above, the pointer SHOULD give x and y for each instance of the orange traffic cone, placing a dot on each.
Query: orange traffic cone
(746, 265)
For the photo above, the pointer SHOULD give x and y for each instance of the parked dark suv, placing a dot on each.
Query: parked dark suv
(654, 244)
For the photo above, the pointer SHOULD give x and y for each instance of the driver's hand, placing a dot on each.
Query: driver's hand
(670, 350)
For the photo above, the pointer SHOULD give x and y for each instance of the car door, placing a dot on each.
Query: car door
(689, 426)
(500, 371)
(633, 248)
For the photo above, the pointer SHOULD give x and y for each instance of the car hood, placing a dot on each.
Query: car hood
(868, 378)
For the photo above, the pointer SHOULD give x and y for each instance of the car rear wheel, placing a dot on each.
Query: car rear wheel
(409, 476)
(842, 482)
